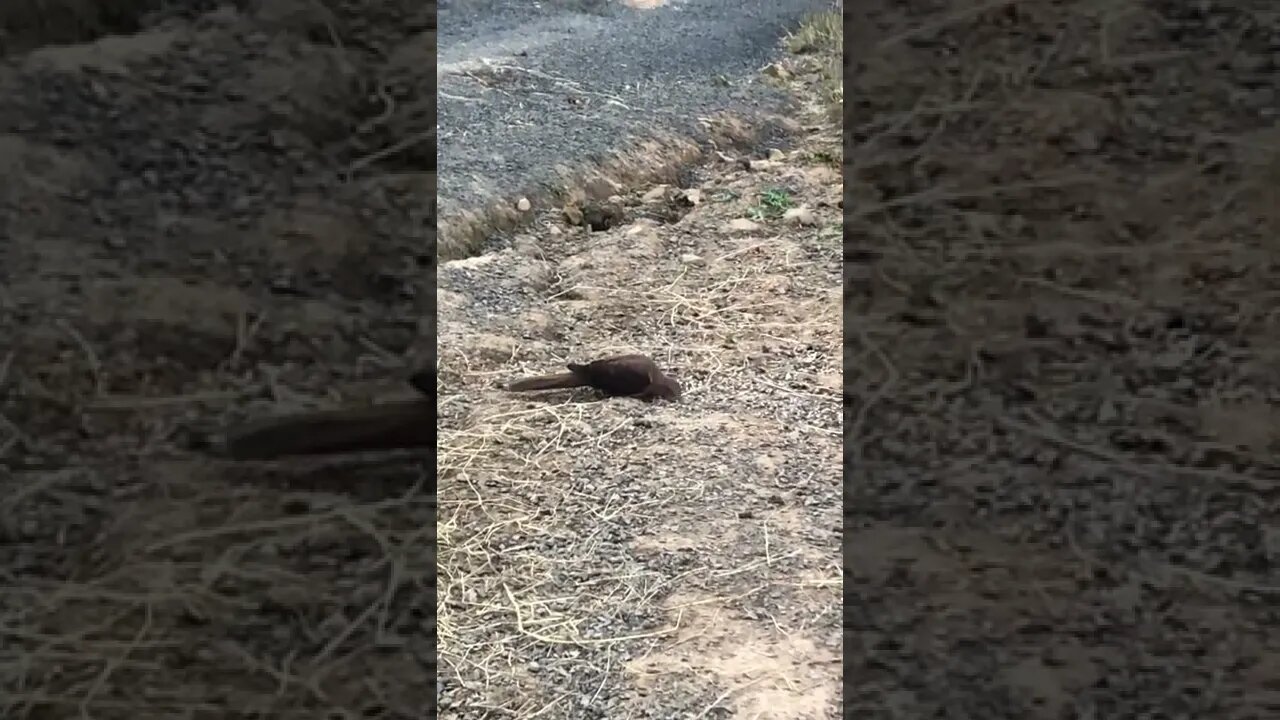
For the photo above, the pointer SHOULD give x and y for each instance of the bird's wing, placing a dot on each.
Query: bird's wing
(624, 375)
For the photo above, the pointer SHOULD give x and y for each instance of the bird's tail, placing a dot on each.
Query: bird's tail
(558, 381)
(399, 425)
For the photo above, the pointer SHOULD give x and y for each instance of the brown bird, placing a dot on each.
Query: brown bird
(619, 376)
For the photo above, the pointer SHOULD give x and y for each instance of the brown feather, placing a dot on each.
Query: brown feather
(558, 381)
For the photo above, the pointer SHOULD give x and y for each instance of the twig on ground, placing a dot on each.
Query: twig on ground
(91, 356)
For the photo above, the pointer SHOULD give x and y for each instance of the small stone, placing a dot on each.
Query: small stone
(656, 194)
(1271, 542)
(1107, 413)
(694, 196)
(691, 259)
(777, 155)
(602, 217)
(523, 205)
(776, 70)
(1245, 63)
(800, 216)
(1086, 141)
(742, 225)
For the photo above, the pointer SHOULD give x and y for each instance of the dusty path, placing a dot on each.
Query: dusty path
(525, 87)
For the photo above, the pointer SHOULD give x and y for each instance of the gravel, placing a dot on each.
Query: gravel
(526, 87)
(1059, 447)
(196, 225)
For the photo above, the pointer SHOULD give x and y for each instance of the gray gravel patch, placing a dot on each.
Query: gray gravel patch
(525, 88)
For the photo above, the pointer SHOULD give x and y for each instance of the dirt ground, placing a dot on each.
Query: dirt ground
(1062, 494)
(206, 214)
(614, 559)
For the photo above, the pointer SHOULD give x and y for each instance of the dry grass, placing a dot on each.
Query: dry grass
(516, 491)
(1048, 202)
(639, 163)
(819, 45)
(140, 578)
(94, 646)
(597, 556)
(187, 574)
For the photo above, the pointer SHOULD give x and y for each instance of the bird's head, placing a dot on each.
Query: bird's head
(667, 389)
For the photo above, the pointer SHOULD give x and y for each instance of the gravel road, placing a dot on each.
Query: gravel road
(527, 86)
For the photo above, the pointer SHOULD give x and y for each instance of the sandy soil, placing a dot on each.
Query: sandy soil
(208, 214)
(615, 559)
(1062, 496)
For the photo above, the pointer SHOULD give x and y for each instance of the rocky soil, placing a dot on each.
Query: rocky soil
(207, 213)
(1062, 496)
